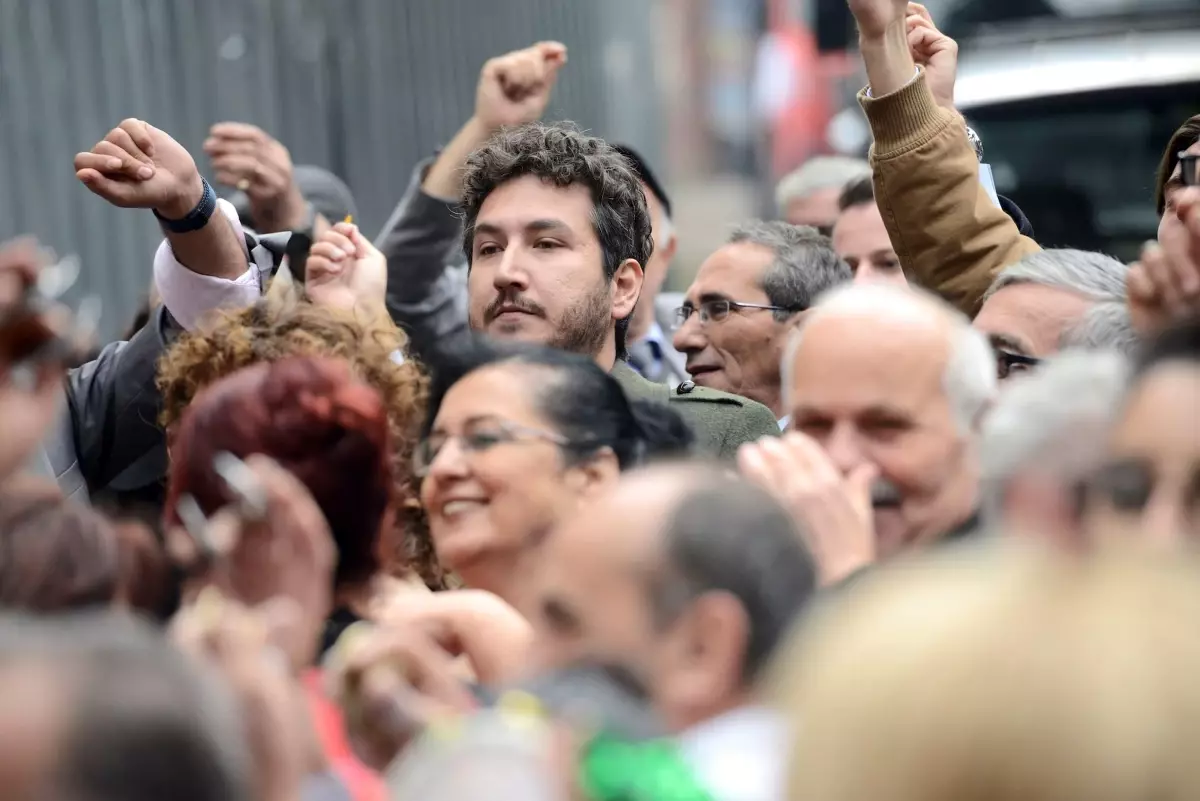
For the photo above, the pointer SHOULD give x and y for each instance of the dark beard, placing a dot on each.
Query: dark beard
(585, 326)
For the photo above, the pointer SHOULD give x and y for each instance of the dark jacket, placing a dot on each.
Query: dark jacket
(107, 441)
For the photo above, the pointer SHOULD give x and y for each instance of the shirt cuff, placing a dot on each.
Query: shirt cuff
(188, 295)
(916, 75)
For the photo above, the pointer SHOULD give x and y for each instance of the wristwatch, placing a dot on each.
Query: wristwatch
(976, 143)
(195, 219)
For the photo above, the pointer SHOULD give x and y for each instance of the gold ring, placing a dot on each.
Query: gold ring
(243, 184)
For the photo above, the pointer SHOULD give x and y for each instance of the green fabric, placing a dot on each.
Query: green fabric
(612, 770)
(722, 422)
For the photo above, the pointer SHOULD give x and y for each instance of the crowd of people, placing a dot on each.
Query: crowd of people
(892, 502)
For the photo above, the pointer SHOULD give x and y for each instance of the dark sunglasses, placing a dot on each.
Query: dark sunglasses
(1187, 168)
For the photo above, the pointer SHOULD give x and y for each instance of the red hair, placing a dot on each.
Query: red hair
(317, 420)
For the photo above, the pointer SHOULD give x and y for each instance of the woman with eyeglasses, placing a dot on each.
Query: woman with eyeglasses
(1150, 488)
(516, 437)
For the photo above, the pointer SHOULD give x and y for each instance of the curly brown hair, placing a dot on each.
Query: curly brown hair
(272, 330)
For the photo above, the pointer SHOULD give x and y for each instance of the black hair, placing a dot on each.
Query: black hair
(858, 192)
(1180, 342)
(584, 403)
(1187, 135)
(562, 155)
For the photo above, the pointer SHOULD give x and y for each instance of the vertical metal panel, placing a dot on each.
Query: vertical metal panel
(363, 87)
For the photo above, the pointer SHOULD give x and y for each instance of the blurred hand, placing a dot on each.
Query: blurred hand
(248, 158)
(345, 271)
(236, 641)
(392, 684)
(28, 403)
(492, 635)
(874, 17)
(285, 562)
(137, 166)
(1164, 286)
(935, 51)
(833, 513)
(515, 88)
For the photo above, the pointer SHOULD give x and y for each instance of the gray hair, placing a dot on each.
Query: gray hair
(1094, 275)
(805, 264)
(771, 573)
(969, 379)
(134, 701)
(1105, 326)
(1052, 420)
(822, 172)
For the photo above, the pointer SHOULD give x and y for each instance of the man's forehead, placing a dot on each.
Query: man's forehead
(517, 203)
(893, 353)
(731, 268)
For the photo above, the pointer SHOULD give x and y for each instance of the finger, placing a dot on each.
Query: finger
(1139, 286)
(809, 453)
(922, 12)
(339, 240)
(318, 267)
(859, 483)
(242, 131)
(119, 193)
(1160, 274)
(122, 139)
(130, 167)
(220, 146)
(142, 134)
(236, 164)
(346, 229)
(554, 52)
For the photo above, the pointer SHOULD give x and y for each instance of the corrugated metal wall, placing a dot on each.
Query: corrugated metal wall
(363, 87)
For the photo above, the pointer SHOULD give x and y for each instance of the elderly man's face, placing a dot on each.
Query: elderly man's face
(740, 351)
(1029, 320)
(872, 391)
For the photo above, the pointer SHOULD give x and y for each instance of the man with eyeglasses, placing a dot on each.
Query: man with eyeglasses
(735, 318)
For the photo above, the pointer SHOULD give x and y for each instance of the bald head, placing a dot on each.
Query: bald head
(679, 572)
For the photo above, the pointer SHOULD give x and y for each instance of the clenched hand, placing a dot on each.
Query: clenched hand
(137, 166)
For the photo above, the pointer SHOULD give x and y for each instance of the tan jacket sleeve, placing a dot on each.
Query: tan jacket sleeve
(950, 237)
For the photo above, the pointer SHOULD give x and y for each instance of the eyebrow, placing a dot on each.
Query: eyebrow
(470, 422)
(1007, 343)
(711, 296)
(548, 224)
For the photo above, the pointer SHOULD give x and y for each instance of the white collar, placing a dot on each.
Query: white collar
(740, 755)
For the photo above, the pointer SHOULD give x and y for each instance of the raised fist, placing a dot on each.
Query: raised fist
(935, 51)
(248, 158)
(137, 166)
(345, 271)
(515, 88)
(874, 17)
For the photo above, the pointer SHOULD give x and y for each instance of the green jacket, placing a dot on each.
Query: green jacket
(722, 422)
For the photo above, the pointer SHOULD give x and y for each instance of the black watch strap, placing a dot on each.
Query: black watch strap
(195, 219)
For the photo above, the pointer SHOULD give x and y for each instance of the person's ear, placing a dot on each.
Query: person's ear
(599, 471)
(714, 638)
(626, 286)
(667, 251)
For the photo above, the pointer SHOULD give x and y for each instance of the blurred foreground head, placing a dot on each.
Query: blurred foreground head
(1002, 675)
(270, 331)
(683, 575)
(317, 421)
(102, 708)
(1149, 489)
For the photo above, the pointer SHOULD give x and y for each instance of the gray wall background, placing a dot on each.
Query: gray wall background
(363, 87)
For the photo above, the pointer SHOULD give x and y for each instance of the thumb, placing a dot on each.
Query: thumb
(554, 53)
(859, 482)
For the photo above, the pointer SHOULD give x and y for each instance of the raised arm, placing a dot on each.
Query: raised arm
(949, 234)
(426, 287)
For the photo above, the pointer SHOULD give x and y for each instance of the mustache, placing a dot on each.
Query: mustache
(885, 494)
(507, 302)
